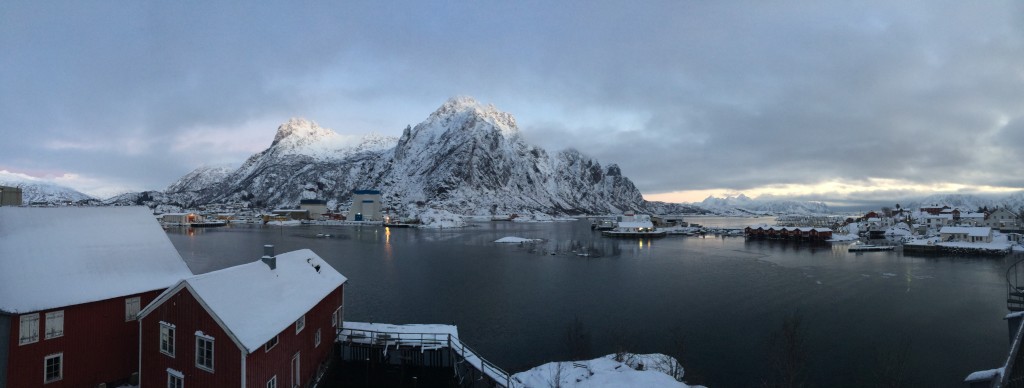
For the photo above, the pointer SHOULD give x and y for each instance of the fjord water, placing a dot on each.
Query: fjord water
(713, 302)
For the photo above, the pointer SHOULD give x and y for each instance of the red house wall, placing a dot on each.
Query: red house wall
(188, 316)
(99, 346)
(262, 365)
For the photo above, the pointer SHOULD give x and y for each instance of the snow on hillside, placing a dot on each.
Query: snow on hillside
(741, 205)
(41, 191)
(200, 178)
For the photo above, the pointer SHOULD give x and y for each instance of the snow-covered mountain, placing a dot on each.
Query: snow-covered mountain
(35, 190)
(466, 158)
(199, 178)
(741, 205)
(1013, 201)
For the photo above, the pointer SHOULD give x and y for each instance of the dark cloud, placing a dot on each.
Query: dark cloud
(682, 95)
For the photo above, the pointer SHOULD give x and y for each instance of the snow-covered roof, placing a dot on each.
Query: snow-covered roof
(636, 224)
(255, 303)
(974, 231)
(63, 256)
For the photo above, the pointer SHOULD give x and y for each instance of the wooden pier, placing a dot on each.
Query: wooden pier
(413, 347)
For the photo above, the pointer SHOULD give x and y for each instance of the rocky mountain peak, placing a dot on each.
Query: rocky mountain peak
(466, 109)
(297, 129)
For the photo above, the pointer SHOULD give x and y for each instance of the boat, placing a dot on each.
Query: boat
(207, 224)
(602, 225)
(398, 225)
(870, 247)
(634, 229)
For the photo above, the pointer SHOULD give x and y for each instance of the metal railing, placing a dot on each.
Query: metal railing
(1014, 288)
(427, 341)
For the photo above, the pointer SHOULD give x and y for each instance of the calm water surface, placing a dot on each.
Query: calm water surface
(713, 302)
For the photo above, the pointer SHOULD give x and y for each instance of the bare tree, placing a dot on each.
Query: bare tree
(787, 355)
(891, 365)
(577, 339)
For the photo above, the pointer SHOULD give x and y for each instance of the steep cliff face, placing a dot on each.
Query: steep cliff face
(466, 158)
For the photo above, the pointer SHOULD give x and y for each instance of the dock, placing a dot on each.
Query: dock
(419, 346)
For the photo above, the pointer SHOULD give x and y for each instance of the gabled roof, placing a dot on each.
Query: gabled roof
(974, 231)
(254, 303)
(63, 256)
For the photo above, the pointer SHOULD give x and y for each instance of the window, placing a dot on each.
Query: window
(175, 379)
(300, 324)
(204, 352)
(270, 344)
(337, 317)
(54, 324)
(316, 338)
(167, 338)
(53, 368)
(29, 332)
(272, 383)
(131, 308)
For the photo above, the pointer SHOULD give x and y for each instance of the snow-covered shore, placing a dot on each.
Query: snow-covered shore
(634, 370)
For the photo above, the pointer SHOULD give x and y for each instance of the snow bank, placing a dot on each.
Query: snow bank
(436, 218)
(515, 240)
(843, 237)
(657, 371)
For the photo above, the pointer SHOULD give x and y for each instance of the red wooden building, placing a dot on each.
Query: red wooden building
(268, 323)
(802, 233)
(72, 281)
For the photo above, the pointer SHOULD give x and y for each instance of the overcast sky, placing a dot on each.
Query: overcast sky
(814, 100)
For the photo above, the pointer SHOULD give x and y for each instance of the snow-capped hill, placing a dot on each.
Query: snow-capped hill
(374, 142)
(741, 205)
(35, 190)
(465, 158)
(466, 110)
(959, 201)
(200, 178)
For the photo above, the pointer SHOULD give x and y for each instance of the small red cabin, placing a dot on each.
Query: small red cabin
(72, 281)
(268, 323)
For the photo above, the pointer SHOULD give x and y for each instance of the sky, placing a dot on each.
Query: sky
(831, 101)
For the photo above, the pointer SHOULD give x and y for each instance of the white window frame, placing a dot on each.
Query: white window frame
(300, 323)
(199, 340)
(173, 375)
(131, 308)
(28, 329)
(168, 337)
(54, 324)
(272, 383)
(296, 366)
(336, 318)
(267, 346)
(60, 368)
(316, 338)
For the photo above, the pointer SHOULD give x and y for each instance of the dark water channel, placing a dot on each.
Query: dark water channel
(712, 302)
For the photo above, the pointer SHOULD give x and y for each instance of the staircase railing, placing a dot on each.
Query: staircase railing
(1014, 286)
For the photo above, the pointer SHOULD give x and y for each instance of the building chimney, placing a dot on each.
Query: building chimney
(268, 256)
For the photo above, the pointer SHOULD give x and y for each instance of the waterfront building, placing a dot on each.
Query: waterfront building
(268, 323)
(72, 282)
(316, 207)
(366, 206)
(966, 234)
(10, 196)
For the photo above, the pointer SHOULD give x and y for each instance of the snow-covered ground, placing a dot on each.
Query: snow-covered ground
(836, 237)
(635, 370)
(515, 240)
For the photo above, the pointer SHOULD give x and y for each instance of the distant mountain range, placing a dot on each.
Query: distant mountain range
(34, 190)
(465, 158)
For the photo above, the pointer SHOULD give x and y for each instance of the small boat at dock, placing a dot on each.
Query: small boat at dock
(870, 247)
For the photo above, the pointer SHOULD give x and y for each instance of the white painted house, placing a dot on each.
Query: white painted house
(966, 234)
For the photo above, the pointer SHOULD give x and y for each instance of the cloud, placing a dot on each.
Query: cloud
(682, 95)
